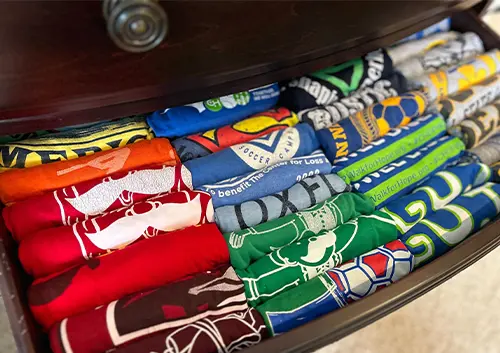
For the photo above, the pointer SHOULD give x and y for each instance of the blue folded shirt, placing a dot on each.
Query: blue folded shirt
(265, 151)
(202, 116)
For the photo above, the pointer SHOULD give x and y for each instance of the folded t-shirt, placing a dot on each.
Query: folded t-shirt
(452, 52)
(324, 116)
(210, 114)
(142, 266)
(73, 143)
(265, 151)
(438, 85)
(337, 287)
(478, 127)
(440, 231)
(441, 26)
(327, 86)
(489, 151)
(267, 181)
(141, 314)
(400, 177)
(387, 149)
(359, 130)
(436, 193)
(458, 106)
(304, 194)
(260, 124)
(56, 249)
(75, 203)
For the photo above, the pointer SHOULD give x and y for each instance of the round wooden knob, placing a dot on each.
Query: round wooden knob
(135, 25)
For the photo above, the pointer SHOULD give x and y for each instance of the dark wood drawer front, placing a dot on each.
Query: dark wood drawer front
(63, 69)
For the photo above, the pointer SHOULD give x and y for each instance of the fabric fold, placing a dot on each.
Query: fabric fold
(458, 106)
(210, 141)
(212, 113)
(400, 177)
(73, 143)
(253, 243)
(270, 180)
(441, 26)
(452, 52)
(265, 151)
(489, 151)
(361, 129)
(324, 116)
(395, 144)
(434, 194)
(479, 127)
(135, 316)
(447, 227)
(337, 287)
(306, 193)
(20, 184)
(328, 85)
(56, 249)
(440, 84)
(297, 263)
(76, 203)
(143, 266)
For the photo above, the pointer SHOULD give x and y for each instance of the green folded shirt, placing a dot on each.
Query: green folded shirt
(250, 244)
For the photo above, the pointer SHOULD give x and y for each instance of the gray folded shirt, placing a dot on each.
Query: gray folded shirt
(302, 195)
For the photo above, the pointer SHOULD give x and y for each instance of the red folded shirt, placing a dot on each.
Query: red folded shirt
(88, 199)
(175, 305)
(141, 266)
(56, 249)
(215, 334)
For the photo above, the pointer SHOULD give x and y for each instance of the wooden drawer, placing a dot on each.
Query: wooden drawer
(200, 60)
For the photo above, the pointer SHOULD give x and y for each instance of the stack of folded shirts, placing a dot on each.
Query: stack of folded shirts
(267, 210)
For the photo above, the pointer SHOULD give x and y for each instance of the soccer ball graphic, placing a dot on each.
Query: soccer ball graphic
(402, 109)
(373, 270)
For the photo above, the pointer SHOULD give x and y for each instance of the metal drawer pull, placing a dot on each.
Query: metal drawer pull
(135, 25)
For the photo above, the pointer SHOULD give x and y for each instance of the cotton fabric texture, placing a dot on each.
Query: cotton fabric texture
(260, 124)
(73, 143)
(442, 26)
(452, 52)
(337, 287)
(329, 85)
(324, 116)
(213, 113)
(203, 295)
(76, 203)
(223, 333)
(253, 243)
(458, 106)
(436, 193)
(440, 84)
(56, 249)
(297, 263)
(405, 51)
(361, 129)
(270, 180)
(101, 280)
(489, 151)
(480, 126)
(265, 151)
(304, 194)
(395, 144)
(400, 177)
(447, 227)
(495, 169)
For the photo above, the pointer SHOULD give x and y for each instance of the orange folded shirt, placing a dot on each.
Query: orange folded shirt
(19, 184)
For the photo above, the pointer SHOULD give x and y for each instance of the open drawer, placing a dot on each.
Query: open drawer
(327, 329)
